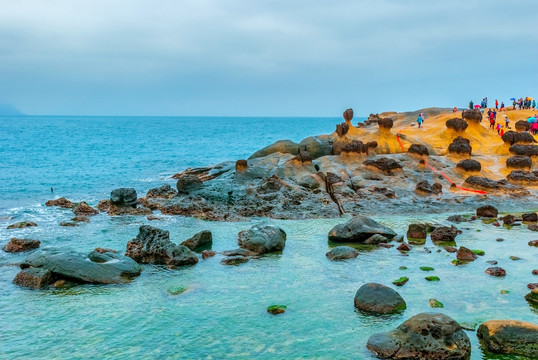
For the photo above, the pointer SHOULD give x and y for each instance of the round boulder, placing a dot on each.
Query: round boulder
(378, 298)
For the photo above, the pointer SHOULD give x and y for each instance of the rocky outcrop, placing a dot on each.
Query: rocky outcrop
(469, 165)
(378, 298)
(200, 241)
(510, 337)
(418, 149)
(519, 162)
(526, 150)
(384, 164)
(427, 336)
(22, 225)
(342, 253)
(487, 211)
(34, 278)
(262, 239)
(153, 246)
(20, 245)
(472, 115)
(513, 137)
(456, 124)
(444, 234)
(107, 268)
(425, 188)
(460, 146)
(82, 208)
(61, 202)
(188, 183)
(359, 229)
(163, 192)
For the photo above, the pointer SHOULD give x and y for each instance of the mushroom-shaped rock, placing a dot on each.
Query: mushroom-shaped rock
(527, 150)
(418, 149)
(472, 115)
(519, 162)
(187, 183)
(21, 245)
(457, 124)
(487, 211)
(461, 146)
(469, 165)
(342, 253)
(359, 229)
(262, 239)
(427, 336)
(510, 337)
(378, 298)
(163, 192)
(200, 241)
(153, 246)
(107, 268)
(123, 197)
(384, 164)
(522, 125)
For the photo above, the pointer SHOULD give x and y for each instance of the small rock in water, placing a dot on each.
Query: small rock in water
(426, 268)
(401, 281)
(496, 271)
(432, 278)
(277, 309)
(176, 290)
(435, 303)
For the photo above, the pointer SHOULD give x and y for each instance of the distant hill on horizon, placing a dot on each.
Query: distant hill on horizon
(8, 109)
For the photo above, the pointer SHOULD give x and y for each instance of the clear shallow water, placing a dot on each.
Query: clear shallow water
(223, 313)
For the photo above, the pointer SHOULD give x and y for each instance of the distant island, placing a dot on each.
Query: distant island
(10, 110)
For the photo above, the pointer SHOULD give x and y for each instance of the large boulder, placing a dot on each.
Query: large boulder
(461, 146)
(378, 298)
(342, 253)
(34, 278)
(107, 268)
(469, 165)
(153, 246)
(123, 197)
(427, 336)
(359, 229)
(472, 115)
(200, 241)
(262, 239)
(163, 192)
(187, 183)
(457, 124)
(519, 162)
(21, 245)
(510, 337)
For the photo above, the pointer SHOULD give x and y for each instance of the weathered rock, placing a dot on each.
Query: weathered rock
(496, 271)
(465, 254)
(34, 278)
(153, 246)
(456, 124)
(460, 145)
(262, 239)
(107, 268)
(359, 229)
(418, 149)
(522, 125)
(416, 231)
(472, 115)
(384, 164)
(378, 298)
(425, 188)
(487, 211)
(510, 337)
(21, 245)
(200, 241)
(444, 234)
(526, 150)
(163, 192)
(123, 197)
(234, 260)
(469, 165)
(22, 225)
(530, 217)
(83, 208)
(188, 183)
(426, 336)
(519, 162)
(61, 202)
(342, 253)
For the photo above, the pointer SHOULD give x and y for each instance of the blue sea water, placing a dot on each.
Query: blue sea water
(223, 312)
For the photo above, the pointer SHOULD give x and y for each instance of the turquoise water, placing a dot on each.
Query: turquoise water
(223, 313)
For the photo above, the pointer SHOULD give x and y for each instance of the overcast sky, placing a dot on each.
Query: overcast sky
(263, 58)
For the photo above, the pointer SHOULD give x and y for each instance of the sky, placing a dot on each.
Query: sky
(263, 58)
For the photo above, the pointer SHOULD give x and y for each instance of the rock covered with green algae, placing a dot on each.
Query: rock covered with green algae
(378, 298)
(510, 337)
(428, 336)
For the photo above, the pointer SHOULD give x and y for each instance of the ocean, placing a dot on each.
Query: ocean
(223, 312)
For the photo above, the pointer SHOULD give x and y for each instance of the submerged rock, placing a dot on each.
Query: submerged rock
(378, 298)
(359, 229)
(428, 336)
(153, 246)
(262, 239)
(510, 337)
(21, 245)
(200, 241)
(342, 253)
